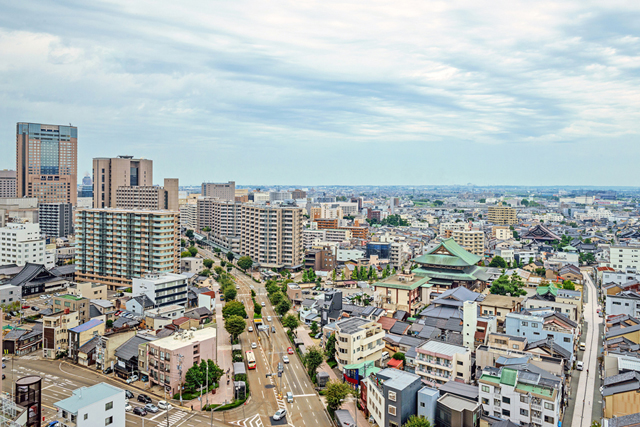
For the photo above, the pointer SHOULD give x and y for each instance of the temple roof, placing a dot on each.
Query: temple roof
(449, 254)
(540, 232)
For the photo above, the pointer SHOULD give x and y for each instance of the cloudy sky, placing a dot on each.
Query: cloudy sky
(334, 92)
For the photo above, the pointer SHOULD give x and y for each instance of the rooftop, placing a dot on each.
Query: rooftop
(87, 325)
(177, 340)
(85, 396)
(442, 348)
(458, 403)
(70, 297)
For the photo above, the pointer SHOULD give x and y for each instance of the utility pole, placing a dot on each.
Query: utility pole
(167, 403)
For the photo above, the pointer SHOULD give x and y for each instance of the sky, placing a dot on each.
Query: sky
(333, 92)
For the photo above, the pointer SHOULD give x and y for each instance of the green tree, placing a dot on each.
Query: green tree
(290, 322)
(257, 309)
(217, 250)
(219, 270)
(524, 202)
(235, 325)
(276, 297)
(374, 276)
(504, 285)
(342, 276)
(399, 356)
(283, 306)
(206, 229)
(109, 323)
(208, 263)
(193, 250)
(245, 262)
(482, 201)
(215, 373)
(330, 348)
(230, 256)
(498, 261)
(354, 274)
(438, 203)
(189, 234)
(229, 267)
(540, 271)
(417, 421)
(253, 293)
(312, 360)
(233, 308)
(193, 379)
(185, 254)
(183, 242)
(568, 285)
(230, 293)
(314, 327)
(333, 275)
(335, 394)
(370, 272)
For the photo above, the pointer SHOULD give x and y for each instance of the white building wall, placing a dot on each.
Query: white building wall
(22, 243)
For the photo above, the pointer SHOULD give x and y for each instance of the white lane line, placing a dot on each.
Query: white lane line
(303, 395)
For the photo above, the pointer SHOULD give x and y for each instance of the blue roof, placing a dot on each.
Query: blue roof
(87, 325)
(86, 396)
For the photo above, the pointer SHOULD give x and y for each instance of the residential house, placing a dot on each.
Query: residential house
(56, 332)
(623, 303)
(98, 405)
(456, 411)
(499, 306)
(127, 355)
(201, 314)
(79, 335)
(541, 324)
(21, 342)
(72, 303)
(168, 311)
(563, 301)
(439, 362)
(392, 396)
(620, 393)
(139, 305)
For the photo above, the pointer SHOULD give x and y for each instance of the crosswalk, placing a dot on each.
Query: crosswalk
(175, 417)
(254, 421)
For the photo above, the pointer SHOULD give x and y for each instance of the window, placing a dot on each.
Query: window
(524, 412)
(506, 412)
(567, 339)
(108, 421)
(485, 400)
(506, 400)
(486, 389)
(515, 346)
(392, 410)
(422, 405)
(108, 406)
(524, 398)
(392, 396)
(86, 416)
(460, 363)
(548, 405)
(525, 323)
(548, 419)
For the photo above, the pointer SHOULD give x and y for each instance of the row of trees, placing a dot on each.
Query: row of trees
(196, 376)
(191, 252)
(277, 295)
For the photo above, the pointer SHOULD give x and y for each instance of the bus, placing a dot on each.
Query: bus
(251, 360)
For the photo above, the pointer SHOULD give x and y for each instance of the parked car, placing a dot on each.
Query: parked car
(289, 397)
(163, 404)
(139, 411)
(318, 335)
(290, 350)
(132, 379)
(285, 359)
(150, 407)
(128, 407)
(237, 287)
(128, 394)
(580, 365)
(280, 414)
(25, 307)
(144, 398)
(4, 376)
(54, 424)
(273, 329)
(34, 308)
(583, 346)
(108, 371)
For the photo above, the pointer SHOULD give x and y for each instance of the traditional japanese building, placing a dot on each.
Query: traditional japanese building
(540, 233)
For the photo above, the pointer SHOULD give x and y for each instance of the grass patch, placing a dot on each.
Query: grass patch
(332, 363)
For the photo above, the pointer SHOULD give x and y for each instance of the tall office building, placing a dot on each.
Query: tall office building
(223, 191)
(47, 162)
(502, 215)
(109, 174)
(86, 189)
(8, 183)
(115, 245)
(55, 219)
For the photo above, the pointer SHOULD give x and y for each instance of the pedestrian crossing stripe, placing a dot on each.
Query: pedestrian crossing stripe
(254, 421)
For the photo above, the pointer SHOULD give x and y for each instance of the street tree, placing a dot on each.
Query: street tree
(193, 250)
(290, 322)
(245, 262)
(330, 348)
(312, 360)
(230, 293)
(193, 379)
(234, 308)
(230, 256)
(283, 306)
(417, 421)
(314, 327)
(335, 393)
(215, 372)
(189, 234)
(235, 325)
(208, 263)
(219, 270)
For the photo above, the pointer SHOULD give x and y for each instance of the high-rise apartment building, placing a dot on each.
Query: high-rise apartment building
(189, 216)
(154, 197)
(55, 219)
(115, 245)
(109, 174)
(23, 243)
(502, 215)
(47, 162)
(222, 191)
(8, 183)
(472, 241)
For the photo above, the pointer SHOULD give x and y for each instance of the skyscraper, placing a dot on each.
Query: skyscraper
(47, 162)
(122, 171)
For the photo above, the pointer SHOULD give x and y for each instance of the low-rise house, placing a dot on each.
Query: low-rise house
(522, 394)
(392, 396)
(191, 264)
(79, 335)
(127, 356)
(201, 314)
(543, 324)
(439, 362)
(139, 305)
(207, 299)
(621, 394)
(499, 306)
(22, 342)
(563, 301)
(90, 290)
(457, 411)
(98, 405)
(624, 303)
(72, 303)
(168, 311)
(55, 332)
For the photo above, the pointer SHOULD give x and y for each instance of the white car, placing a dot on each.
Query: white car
(237, 287)
(262, 304)
(268, 318)
(254, 345)
(128, 407)
(280, 413)
(163, 404)
(250, 329)
(579, 365)
(285, 359)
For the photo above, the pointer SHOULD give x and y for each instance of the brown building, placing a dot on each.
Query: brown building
(357, 232)
(222, 191)
(326, 223)
(8, 183)
(154, 197)
(47, 162)
(373, 214)
(73, 303)
(502, 215)
(298, 194)
(110, 174)
(224, 218)
(320, 259)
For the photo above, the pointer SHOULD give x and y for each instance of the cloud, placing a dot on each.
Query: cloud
(257, 92)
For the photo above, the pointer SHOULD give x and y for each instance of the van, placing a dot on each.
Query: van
(385, 355)
(579, 365)
(289, 397)
(583, 346)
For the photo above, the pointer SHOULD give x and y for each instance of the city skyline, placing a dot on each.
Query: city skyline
(404, 94)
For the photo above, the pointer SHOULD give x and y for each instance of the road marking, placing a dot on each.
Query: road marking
(303, 395)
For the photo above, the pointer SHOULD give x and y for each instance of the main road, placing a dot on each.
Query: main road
(585, 393)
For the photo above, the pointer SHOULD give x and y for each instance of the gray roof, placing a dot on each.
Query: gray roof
(351, 324)
(457, 296)
(566, 354)
(307, 302)
(198, 311)
(397, 379)
(129, 349)
(442, 312)
(411, 341)
(621, 378)
(238, 368)
(28, 272)
(144, 301)
(616, 331)
(630, 420)
(459, 389)
(93, 311)
(120, 322)
(399, 328)
(89, 345)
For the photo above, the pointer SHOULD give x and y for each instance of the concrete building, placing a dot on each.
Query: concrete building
(185, 348)
(224, 218)
(524, 395)
(358, 340)
(312, 237)
(427, 403)
(320, 259)
(18, 210)
(456, 411)
(543, 324)
(23, 243)
(55, 332)
(115, 245)
(398, 254)
(624, 257)
(279, 196)
(149, 197)
(337, 235)
(502, 215)
(173, 311)
(402, 291)
(56, 219)
(82, 334)
(222, 191)
(439, 362)
(72, 303)
(89, 290)
(626, 302)
(392, 396)
(47, 162)
(298, 194)
(162, 289)
(109, 174)
(189, 216)
(8, 183)
(99, 405)
(191, 264)
(10, 294)
(472, 241)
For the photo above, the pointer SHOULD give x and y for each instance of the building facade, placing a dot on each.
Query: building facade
(439, 362)
(23, 243)
(115, 245)
(161, 288)
(8, 183)
(98, 405)
(358, 340)
(55, 332)
(151, 197)
(56, 219)
(472, 241)
(222, 191)
(47, 162)
(392, 396)
(109, 174)
(502, 215)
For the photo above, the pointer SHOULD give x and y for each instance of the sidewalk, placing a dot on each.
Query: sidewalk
(350, 405)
